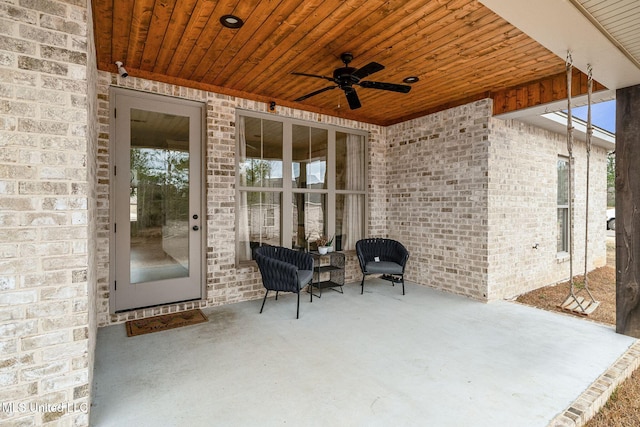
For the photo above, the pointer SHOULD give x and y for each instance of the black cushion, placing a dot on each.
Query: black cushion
(381, 252)
(383, 267)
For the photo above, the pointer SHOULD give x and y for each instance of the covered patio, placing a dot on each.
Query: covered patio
(459, 168)
(380, 359)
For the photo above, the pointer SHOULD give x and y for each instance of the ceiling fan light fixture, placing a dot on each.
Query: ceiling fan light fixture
(231, 21)
(411, 79)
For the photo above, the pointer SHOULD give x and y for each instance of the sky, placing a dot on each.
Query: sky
(603, 115)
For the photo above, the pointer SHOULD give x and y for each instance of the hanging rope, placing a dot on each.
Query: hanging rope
(589, 134)
(569, 66)
(572, 302)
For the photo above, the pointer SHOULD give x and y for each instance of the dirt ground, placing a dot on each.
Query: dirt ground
(623, 408)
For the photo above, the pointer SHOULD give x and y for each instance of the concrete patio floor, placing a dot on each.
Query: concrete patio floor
(427, 358)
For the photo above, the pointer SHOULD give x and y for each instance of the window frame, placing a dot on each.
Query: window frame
(288, 190)
(563, 229)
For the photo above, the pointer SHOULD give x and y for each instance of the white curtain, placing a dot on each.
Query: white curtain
(243, 245)
(354, 203)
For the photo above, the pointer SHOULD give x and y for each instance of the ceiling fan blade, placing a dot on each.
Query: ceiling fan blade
(370, 68)
(313, 75)
(386, 86)
(352, 98)
(309, 95)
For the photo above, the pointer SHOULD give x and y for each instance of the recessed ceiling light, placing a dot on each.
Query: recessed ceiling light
(411, 79)
(231, 21)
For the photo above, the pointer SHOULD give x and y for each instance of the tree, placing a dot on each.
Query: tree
(258, 172)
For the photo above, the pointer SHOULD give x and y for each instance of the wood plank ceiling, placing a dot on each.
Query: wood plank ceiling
(459, 49)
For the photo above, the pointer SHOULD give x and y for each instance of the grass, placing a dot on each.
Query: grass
(623, 407)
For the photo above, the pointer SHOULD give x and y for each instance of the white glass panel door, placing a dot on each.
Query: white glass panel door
(157, 194)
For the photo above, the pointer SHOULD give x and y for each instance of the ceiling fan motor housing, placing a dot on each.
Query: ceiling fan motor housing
(344, 77)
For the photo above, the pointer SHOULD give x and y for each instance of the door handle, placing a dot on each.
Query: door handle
(195, 228)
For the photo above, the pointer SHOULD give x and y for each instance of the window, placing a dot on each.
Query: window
(563, 204)
(259, 166)
(297, 181)
(309, 185)
(350, 188)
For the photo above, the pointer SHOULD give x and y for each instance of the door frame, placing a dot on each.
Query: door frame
(114, 92)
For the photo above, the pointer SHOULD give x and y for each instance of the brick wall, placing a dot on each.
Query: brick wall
(471, 195)
(46, 216)
(523, 208)
(437, 197)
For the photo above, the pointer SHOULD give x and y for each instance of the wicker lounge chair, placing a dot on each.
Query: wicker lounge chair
(382, 256)
(283, 270)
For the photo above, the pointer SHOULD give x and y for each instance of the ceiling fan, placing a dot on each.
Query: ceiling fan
(346, 77)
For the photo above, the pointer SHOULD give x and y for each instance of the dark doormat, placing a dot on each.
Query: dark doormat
(164, 322)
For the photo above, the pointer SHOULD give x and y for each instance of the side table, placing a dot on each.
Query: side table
(328, 272)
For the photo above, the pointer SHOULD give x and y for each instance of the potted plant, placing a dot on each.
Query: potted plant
(321, 242)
